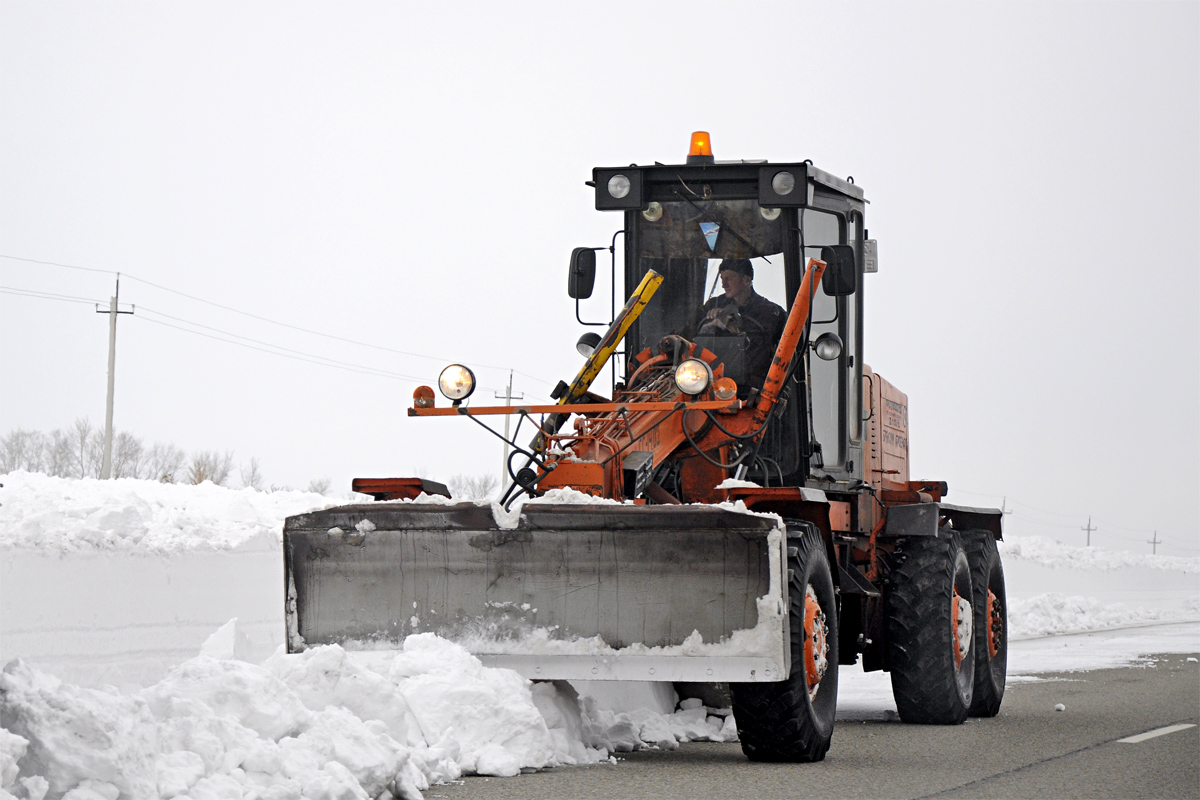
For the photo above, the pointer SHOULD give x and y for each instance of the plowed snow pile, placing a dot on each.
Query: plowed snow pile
(232, 722)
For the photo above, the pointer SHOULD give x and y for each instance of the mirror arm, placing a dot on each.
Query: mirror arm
(612, 249)
(581, 321)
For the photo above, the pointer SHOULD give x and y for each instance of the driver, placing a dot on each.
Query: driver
(741, 310)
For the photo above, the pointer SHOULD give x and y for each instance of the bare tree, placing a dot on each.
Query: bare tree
(251, 475)
(87, 449)
(127, 455)
(473, 487)
(60, 454)
(209, 465)
(319, 485)
(22, 449)
(163, 463)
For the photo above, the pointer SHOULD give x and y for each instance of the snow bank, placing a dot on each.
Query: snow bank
(1055, 588)
(324, 723)
(62, 515)
(1054, 554)
(117, 581)
(1052, 613)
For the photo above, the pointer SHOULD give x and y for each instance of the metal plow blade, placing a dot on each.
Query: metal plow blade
(534, 598)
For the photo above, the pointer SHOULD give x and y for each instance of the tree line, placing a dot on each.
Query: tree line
(78, 452)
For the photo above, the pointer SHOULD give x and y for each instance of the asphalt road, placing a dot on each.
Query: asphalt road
(1028, 750)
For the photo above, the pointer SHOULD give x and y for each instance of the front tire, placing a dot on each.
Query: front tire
(792, 720)
(991, 622)
(930, 625)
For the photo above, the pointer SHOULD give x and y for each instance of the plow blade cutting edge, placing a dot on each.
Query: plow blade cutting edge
(601, 592)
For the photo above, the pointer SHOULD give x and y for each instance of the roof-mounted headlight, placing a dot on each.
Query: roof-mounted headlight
(456, 382)
(619, 186)
(693, 376)
(783, 183)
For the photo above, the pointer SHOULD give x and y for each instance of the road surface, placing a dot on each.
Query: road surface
(1029, 750)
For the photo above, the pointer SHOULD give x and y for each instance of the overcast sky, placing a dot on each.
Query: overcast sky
(411, 176)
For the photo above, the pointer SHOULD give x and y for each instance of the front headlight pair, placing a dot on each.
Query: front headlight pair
(692, 377)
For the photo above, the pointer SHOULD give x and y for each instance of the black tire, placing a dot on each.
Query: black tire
(792, 720)
(933, 668)
(991, 622)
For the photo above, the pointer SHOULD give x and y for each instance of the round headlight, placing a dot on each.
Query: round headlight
(618, 186)
(828, 346)
(653, 212)
(783, 183)
(693, 376)
(587, 343)
(769, 214)
(456, 382)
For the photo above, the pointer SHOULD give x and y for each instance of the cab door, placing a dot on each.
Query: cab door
(834, 387)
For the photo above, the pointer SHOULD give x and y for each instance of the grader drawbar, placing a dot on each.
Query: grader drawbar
(701, 521)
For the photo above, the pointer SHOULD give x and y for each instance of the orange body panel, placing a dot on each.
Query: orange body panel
(585, 476)
(887, 433)
(397, 488)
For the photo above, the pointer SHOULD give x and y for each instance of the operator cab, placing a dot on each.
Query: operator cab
(683, 221)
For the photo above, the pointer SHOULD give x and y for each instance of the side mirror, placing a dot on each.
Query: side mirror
(582, 275)
(841, 272)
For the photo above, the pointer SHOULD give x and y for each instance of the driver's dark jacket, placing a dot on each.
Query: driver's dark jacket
(762, 321)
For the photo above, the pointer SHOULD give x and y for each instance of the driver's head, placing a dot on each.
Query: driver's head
(737, 276)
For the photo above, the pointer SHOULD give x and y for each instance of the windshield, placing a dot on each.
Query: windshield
(686, 241)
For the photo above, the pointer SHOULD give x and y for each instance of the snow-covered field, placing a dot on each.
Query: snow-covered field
(140, 625)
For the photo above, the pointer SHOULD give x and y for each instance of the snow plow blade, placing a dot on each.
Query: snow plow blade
(601, 592)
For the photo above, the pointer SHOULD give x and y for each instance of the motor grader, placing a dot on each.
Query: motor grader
(691, 521)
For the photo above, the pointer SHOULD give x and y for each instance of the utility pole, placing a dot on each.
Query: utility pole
(1155, 542)
(508, 398)
(106, 465)
(1089, 530)
(1003, 506)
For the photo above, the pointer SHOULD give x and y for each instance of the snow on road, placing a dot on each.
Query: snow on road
(125, 675)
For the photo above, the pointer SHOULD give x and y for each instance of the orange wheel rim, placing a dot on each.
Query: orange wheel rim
(995, 624)
(816, 642)
(960, 627)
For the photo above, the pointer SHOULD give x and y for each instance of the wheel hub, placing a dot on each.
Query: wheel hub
(816, 642)
(960, 627)
(995, 624)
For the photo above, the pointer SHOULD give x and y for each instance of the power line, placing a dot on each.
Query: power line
(57, 264)
(312, 357)
(314, 360)
(47, 295)
(266, 319)
(388, 373)
(267, 347)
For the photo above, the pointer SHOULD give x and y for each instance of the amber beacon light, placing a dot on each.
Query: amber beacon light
(701, 150)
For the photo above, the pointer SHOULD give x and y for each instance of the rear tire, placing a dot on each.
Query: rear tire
(930, 621)
(792, 720)
(991, 622)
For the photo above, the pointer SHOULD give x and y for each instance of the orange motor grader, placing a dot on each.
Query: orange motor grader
(697, 521)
